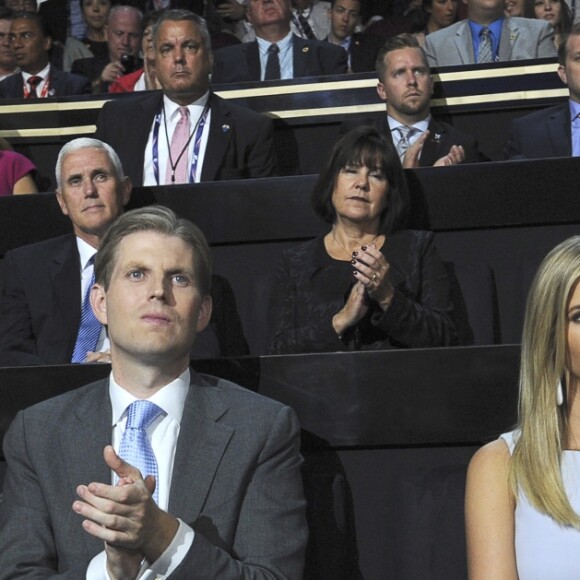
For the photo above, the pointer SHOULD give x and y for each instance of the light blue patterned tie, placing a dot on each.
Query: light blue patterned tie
(89, 328)
(135, 446)
(406, 133)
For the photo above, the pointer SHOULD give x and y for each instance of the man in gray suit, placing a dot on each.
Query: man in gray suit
(489, 36)
(218, 493)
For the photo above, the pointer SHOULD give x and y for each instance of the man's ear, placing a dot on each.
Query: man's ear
(562, 74)
(99, 303)
(204, 313)
(47, 43)
(61, 202)
(127, 186)
(381, 91)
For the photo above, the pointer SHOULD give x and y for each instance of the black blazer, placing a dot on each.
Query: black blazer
(363, 51)
(310, 288)
(240, 143)
(40, 308)
(546, 133)
(62, 84)
(241, 62)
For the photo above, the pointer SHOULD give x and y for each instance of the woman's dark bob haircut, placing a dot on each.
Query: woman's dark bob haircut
(364, 146)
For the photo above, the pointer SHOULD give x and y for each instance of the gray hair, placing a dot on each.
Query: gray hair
(123, 8)
(180, 16)
(87, 143)
(163, 221)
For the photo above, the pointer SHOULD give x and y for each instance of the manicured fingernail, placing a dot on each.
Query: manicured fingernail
(353, 261)
(355, 253)
(363, 248)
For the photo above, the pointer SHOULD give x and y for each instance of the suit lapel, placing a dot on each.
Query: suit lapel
(252, 56)
(300, 56)
(148, 108)
(84, 436)
(464, 43)
(509, 35)
(64, 271)
(55, 80)
(560, 132)
(432, 147)
(200, 448)
(220, 134)
(16, 91)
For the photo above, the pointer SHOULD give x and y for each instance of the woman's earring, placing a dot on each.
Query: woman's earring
(559, 394)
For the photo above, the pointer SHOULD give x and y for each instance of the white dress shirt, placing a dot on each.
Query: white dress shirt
(163, 434)
(164, 139)
(285, 55)
(40, 87)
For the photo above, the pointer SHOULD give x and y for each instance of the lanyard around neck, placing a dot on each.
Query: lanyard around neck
(197, 130)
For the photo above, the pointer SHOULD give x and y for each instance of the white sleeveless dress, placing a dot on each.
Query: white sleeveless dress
(546, 550)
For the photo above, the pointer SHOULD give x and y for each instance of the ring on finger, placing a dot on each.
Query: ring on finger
(374, 277)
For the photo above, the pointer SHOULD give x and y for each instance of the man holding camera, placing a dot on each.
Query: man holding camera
(124, 41)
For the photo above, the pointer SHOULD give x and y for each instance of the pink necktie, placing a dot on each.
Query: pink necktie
(177, 165)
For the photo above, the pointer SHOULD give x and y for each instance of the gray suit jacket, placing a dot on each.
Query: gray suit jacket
(521, 38)
(236, 481)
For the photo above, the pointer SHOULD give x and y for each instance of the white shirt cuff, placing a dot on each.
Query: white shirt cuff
(161, 568)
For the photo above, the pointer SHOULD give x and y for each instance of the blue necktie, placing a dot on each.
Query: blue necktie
(89, 328)
(272, 64)
(135, 446)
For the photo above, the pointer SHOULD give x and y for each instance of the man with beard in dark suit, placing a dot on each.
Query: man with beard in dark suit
(37, 78)
(186, 134)
(405, 84)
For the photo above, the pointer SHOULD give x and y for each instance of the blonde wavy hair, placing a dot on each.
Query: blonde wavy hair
(535, 467)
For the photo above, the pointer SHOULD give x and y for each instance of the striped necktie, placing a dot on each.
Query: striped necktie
(89, 328)
(485, 53)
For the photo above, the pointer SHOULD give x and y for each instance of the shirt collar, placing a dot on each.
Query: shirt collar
(494, 27)
(170, 398)
(422, 125)
(283, 44)
(574, 109)
(43, 74)
(171, 107)
(306, 12)
(86, 252)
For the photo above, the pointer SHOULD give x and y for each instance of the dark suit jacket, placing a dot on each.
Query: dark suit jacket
(240, 141)
(62, 84)
(236, 481)
(310, 288)
(442, 137)
(241, 63)
(363, 52)
(546, 133)
(40, 308)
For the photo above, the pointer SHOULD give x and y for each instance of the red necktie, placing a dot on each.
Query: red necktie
(33, 82)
